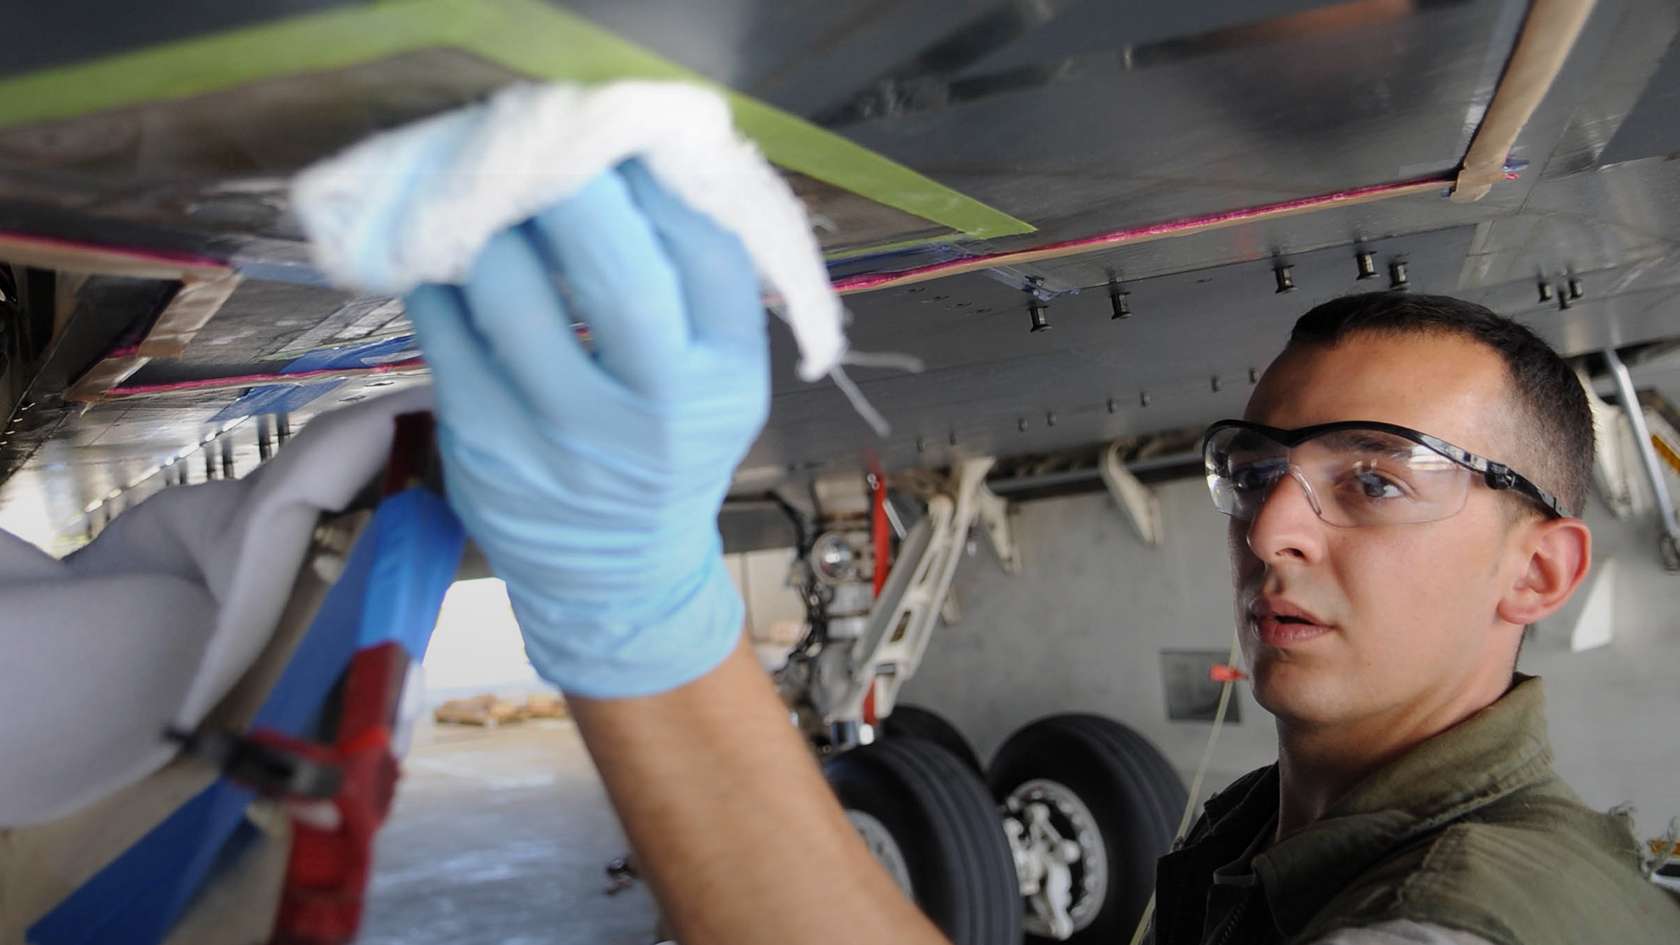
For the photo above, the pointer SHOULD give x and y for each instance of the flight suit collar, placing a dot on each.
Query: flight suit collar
(1496, 752)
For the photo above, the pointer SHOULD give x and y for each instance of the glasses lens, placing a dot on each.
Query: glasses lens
(1242, 467)
(1353, 477)
(1371, 477)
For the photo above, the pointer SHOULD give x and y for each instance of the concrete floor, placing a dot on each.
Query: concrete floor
(501, 836)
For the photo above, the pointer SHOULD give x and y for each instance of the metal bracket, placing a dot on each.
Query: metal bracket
(1610, 466)
(993, 513)
(1137, 500)
(1669, 542)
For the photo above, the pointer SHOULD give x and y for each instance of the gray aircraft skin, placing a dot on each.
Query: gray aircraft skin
(144, 157)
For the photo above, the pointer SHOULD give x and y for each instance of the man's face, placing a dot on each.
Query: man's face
(1402, 617)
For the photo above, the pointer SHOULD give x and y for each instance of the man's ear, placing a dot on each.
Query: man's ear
(1559, 553)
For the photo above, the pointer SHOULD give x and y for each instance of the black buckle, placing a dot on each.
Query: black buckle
(268, 766)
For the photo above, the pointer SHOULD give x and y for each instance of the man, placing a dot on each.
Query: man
(1383, 581)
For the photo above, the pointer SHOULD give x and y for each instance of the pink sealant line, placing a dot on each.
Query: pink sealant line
(169, 257)
(1142, 234)
(407, 366)
(860, 283)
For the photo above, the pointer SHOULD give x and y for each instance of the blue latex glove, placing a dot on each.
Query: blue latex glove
(592, 482)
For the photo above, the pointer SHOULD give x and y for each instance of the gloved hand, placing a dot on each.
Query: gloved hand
(592, 480)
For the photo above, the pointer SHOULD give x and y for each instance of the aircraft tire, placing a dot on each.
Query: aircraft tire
(929, 819)
(917, 722)
(1110, 788)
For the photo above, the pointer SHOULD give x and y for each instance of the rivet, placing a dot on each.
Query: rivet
(1545, 291)
(1253, 376)
(1575, 290)
(1367, 261)
(1036, 312)
(921, 444)
(1111, 405)
(1049, 418)
(1021, 424)
(1143, 398)
(1215, 383)
(1397, 278)
(1285, 278)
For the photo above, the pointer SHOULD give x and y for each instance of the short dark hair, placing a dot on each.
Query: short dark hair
(1557, 423)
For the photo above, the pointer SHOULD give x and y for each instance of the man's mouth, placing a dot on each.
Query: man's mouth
(1282, 623)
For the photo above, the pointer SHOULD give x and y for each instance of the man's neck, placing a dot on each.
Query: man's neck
(1319, 764)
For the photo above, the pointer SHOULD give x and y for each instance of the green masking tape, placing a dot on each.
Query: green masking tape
(529, 37)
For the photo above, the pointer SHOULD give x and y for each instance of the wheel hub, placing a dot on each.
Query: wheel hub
(1060, 857)
(883, 847)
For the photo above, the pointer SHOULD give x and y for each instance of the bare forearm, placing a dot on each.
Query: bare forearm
(732, 822)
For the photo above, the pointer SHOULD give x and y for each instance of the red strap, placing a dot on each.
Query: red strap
(321, 903)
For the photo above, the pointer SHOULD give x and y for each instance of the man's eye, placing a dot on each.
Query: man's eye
(1254, 477)
(1375, 485)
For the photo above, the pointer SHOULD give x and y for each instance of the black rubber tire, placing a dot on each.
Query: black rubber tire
(947, 829)
(1133, 794)
(916, 722)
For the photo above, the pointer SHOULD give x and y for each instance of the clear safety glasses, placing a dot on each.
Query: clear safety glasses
(1353, 472)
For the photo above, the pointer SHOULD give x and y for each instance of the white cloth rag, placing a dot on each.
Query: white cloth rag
(416, 204)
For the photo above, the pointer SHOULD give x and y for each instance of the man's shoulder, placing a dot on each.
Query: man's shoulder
(1529, 867)
(1402, 932)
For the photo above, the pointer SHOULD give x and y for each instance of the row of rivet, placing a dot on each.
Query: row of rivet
(1038, 309)
(1111, 405)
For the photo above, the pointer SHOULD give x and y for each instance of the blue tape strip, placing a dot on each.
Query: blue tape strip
(284, 398)
(896, 260)
(391, 589)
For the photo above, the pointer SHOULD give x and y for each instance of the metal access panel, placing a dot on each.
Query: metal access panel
(1192, 695)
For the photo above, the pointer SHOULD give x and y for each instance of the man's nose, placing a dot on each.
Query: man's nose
(1287, 525)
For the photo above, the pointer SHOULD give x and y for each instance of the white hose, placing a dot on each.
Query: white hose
(1195, 783)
